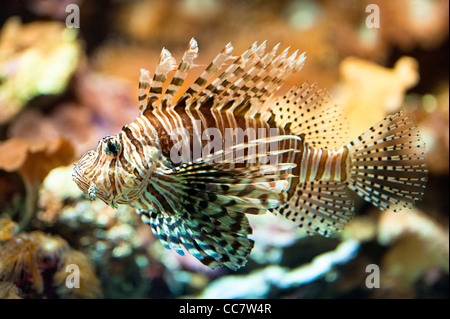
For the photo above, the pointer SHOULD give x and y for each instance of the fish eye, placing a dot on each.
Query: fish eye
(112, 147)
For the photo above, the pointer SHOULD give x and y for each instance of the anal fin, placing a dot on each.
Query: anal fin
(321, 207)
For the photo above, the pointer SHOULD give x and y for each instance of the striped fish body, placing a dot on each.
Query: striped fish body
(183, 137)
(197, 159)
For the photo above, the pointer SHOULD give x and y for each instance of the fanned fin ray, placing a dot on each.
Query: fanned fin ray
(166, 64)
(388, 165)
(144, 85)
(307, 110)
(321, 207)
(199, 88)
(207, 201)
(249, 81)
(178, 79)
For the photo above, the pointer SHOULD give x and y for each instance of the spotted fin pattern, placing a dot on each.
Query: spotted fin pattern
(319, 207)
(388, 166)
(310, 111)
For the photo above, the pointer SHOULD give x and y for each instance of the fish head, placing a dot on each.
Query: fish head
(105, 173)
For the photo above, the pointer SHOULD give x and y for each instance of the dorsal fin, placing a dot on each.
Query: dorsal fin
(177, 81)
(258, 80)
(214, 87)
(198, 87)
(144, 85)
(245, 86)
(166, 64)
(310, 111)
(229, 81)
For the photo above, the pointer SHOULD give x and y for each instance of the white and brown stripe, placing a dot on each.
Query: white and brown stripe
(321, 164)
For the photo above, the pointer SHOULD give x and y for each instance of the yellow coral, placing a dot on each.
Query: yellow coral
(369, 91)
(7, 228)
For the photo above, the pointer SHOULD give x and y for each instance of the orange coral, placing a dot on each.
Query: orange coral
(47, 48)
(33, 161)
(369, 91)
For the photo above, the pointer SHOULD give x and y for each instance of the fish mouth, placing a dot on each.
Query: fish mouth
(89, 188)
(84, 183)
(80, 179)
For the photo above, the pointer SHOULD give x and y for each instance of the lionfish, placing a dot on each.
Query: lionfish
(291, 157)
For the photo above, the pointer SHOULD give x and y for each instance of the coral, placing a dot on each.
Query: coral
(54, 191)
(106, 96)
(7, 228)
(416, 223)
(9, 291)
(259, 284)
(362, 228)
(33, 161)
(89, 284)
(47, 48)
(433, 120)
(33, 265)
(411, 23)
(115, 240)
(369, 91)
(25, 257)
(403, 266)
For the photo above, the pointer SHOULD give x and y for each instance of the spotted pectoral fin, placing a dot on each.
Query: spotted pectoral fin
(205, 237)
(321, 207)
(218, 237)
(213, 202)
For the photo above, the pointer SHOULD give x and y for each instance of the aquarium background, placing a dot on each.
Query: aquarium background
(66, 81)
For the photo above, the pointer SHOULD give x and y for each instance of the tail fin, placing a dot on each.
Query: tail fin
(388, 165)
